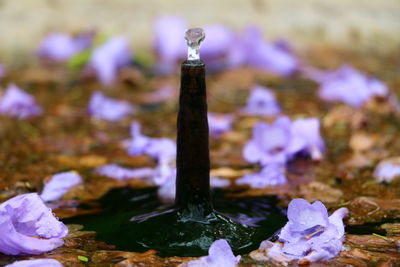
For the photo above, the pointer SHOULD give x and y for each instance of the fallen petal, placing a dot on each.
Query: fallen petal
(59, 184)
(36, 263)
(27, 226)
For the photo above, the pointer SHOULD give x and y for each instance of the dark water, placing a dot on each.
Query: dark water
(261, 214)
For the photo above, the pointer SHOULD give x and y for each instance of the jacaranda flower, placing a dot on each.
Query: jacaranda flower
(17, 103)
(310, 234)
(261, 102)
(36, 263)
(169, 45)
(270, 175)
(59, 184)
(61, 47)
(280, 141)
(219, 255)
(387, 170)
(165, 178)
(219, 123)
(105, 108)
(157, 148)
(27, 226)
(216, 46)
(348, 85)
(251, 49)
(120, 173)
(108, 58)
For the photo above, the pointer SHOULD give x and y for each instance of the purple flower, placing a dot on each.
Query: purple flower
(348, 85)
(387, 170)
(251, 49)
(157, 148)
(306, 137)
(216, 46)
(280, 141)
(61, 47)
(219, 182)
(262, 102)
(164, 93)
(108, 58)
(105, 108)
(219, 123)
(59, 184)
(169, 45)
(27, 226)
(165, 178)
(217, 43)
(17, 103)
(270, 175)
(219, 255)
(270, 143)
(120, 173)
(36, 263)
(310, 234)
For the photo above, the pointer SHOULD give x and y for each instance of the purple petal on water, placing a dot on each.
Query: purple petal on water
(219, 123)
(305, 215)
(36, 263)
(161, 148)
(348, 85)
(261, 101)
(310, 234)
(17, 103)
(270, 175)
(219, 254)
(28, 227)
(59, 184)
(120, 173)
(59, 47)
(108, 58)
(105, 108)
(157, 148)
(137, 144)
(387, 170)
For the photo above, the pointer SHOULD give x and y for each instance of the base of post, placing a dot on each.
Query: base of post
(172, 233)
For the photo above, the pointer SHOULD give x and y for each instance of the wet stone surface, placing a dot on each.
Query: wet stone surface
(65, 138)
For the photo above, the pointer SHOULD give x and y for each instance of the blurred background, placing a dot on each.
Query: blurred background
(358, 24)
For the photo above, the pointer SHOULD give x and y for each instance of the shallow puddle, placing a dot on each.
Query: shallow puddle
(120, 205)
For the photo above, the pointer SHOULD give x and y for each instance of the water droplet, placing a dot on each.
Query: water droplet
(194, 37)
